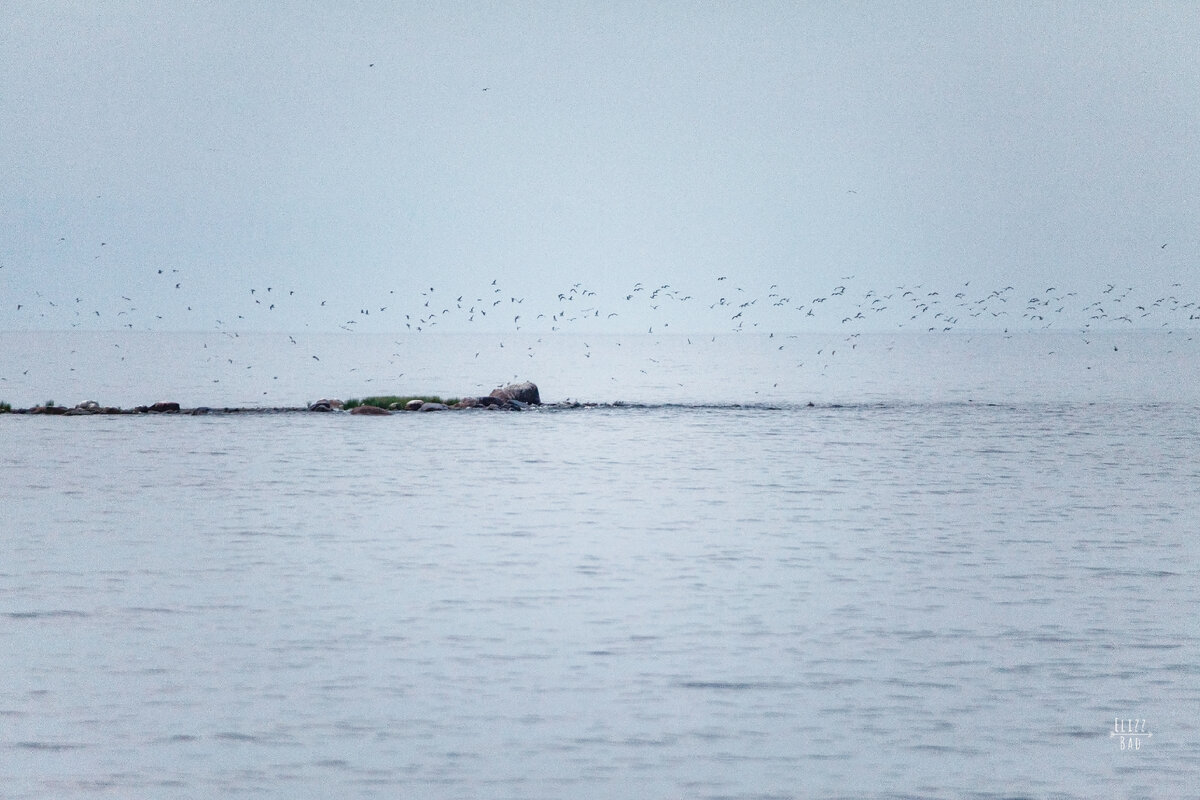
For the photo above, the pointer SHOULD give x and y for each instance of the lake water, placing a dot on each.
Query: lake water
(956, 574)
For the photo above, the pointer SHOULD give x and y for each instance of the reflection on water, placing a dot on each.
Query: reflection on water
(919, 598)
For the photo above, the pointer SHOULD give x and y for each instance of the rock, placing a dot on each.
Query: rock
(332, 403)
(526, 392)
(321, 405)
(371, 411)
(163, 408)
(479, 402)
(434, 407)
(79, 412)
(414, 405)
(55, 410)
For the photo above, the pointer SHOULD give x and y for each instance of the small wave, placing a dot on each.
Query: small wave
(150, 610)
(1078, 733)
(735, 686)
(50, 747)
(65, 612)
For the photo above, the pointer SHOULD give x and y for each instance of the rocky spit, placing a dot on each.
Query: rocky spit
(514, 397)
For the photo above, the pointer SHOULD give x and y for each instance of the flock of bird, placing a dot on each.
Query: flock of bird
(166, 300)
(721, 306)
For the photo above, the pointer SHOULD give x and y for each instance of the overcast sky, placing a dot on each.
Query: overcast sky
(362, 153)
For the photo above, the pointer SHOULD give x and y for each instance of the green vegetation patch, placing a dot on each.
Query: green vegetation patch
(387, 401)
(4, 407)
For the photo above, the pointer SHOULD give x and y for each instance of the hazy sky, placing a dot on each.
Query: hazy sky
(361, 153)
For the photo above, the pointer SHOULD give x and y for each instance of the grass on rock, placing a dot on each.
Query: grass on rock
(386, 401)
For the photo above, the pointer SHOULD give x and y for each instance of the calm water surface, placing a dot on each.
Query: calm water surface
(915, 597)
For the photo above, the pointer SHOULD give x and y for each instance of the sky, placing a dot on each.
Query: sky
(325, 166)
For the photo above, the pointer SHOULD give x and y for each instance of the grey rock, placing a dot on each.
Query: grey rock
(371, 411)
(434, 407)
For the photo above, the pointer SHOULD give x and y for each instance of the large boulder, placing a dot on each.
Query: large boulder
(164, 408)
(526, 392)
(434, 407)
